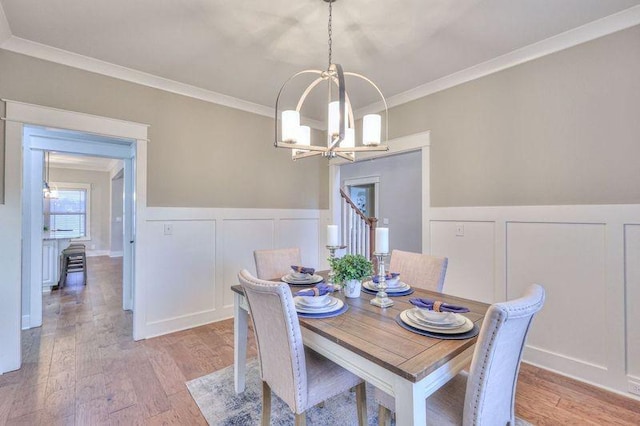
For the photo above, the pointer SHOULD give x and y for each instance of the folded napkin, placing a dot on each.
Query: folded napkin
(437, 305)
(387, 276)
(319, 290)
(303, 270)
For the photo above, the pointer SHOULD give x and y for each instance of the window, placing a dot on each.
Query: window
(70, 211)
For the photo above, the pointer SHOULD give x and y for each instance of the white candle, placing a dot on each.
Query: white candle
(382, 240)
(332, 235)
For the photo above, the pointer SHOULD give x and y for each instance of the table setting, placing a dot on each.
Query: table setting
(318, 302)
(433, 318)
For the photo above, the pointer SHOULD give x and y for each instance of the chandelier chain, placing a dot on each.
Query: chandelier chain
(329, 30)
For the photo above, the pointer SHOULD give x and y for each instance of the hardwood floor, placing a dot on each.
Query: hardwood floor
(82, 367)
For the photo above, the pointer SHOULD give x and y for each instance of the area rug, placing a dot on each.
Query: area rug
(216, 397)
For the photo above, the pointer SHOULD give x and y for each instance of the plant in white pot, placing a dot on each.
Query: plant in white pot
(350, 270)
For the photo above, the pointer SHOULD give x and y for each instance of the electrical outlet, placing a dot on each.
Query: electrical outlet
(634, 387)
(168, 229)
(459, 230)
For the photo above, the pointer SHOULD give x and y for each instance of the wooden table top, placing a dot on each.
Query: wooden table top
(373, 333)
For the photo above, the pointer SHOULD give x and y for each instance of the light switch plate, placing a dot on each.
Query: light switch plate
(385, 221)
(459, 230)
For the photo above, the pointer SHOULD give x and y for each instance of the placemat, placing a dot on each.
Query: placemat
(469, 334)
(325, 314)
(397, 294)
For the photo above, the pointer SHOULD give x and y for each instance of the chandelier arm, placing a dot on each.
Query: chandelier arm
(341, 105)
(306, 155)
(362, 149)
(280, 93)
(351, 158)
(307, 91)
(301, 147)
(384, 101)
(348, 102)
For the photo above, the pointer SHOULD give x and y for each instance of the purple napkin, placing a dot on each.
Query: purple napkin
(439, 306)
(319, 290)
(303, 270)
(387, 276)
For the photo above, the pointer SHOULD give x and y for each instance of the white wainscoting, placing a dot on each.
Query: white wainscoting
(190, 272)
(587, 258)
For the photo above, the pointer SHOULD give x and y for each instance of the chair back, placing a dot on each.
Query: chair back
(491, 386)
(275, 263)
(419, 270)
(278, 337)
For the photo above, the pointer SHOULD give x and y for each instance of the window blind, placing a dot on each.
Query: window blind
(69, 211)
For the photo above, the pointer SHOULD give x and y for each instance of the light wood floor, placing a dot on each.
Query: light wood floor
(82, 367)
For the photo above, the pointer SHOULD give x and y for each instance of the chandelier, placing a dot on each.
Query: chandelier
(340, 122)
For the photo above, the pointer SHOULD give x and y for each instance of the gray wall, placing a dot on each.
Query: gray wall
(400, 195)
(100, 202)
(199, 154)
(562, 129)
(117, 191)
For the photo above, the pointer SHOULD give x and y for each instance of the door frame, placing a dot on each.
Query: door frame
(19, 114)
(369, 180)
(415, 142)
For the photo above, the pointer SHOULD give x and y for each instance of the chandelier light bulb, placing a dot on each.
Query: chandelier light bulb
(304, 139)
(290, 125)
(349, 140)
(334, 119)
(371, 129)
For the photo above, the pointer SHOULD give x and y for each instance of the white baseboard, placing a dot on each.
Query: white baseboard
(26, 322)
(185, 322)
(116, 253)
(95, 253)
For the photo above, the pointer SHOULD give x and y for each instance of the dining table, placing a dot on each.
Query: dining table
(369, 342)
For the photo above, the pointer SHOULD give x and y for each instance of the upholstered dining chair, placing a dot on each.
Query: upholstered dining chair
(486, 395)
(419, 270)
(301, 377)
(275, 263)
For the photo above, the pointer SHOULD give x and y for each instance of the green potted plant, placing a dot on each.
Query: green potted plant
(350, 270)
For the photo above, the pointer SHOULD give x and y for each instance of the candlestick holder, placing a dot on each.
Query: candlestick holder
(332, 253)
(382, 299)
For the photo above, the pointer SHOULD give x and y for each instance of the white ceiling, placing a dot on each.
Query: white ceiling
(247, 48)
(81, 162)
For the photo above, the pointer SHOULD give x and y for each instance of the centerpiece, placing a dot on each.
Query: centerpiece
(350, 270)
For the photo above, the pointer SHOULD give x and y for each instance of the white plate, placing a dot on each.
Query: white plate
(370, 285)
(311, 280)
(467, 326)
(434, 317)
(334, 306)
(300, 301)
(458, 321)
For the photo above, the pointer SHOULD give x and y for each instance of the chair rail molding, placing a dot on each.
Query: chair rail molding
(586, 258)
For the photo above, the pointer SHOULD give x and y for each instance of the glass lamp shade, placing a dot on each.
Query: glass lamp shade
(371, 129)
(290, 125)
(304, 139)
(333, 127)
(349, 140)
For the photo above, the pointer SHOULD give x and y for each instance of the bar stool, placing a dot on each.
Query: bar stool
(73, 259)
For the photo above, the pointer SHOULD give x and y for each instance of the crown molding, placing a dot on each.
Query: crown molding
(5, 29)
(591, 31)
(64, 57)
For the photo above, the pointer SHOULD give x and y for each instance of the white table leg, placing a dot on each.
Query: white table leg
(240, 327)
(411, 407)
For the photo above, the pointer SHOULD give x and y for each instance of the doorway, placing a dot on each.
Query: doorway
(365, 193)
(38, 144)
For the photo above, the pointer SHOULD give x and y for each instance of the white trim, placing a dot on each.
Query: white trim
(116, 253)
(26, 321)
(39, 115)
(87, 188)
(65, 57)
(5, 29)
(591, 31)
(96, 253)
